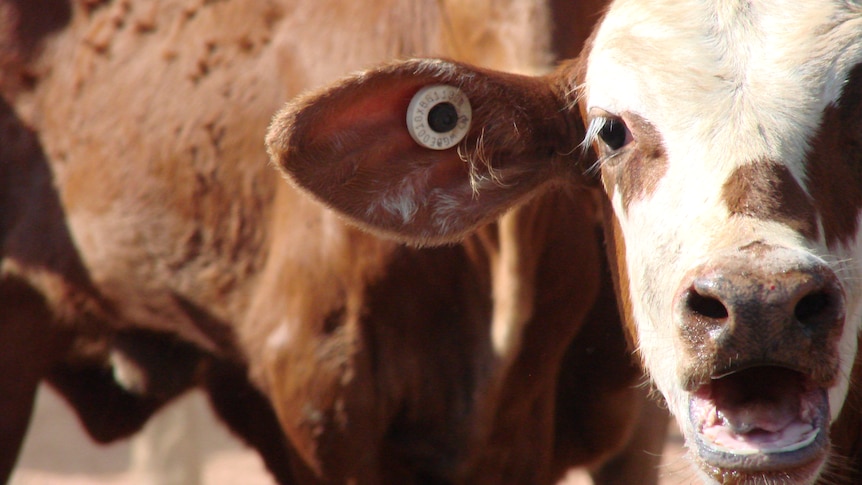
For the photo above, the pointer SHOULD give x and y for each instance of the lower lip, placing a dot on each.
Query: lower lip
(799, 475)
(801, 460)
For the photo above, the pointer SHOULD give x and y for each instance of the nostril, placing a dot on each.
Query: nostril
(706, 306)
(812, 306)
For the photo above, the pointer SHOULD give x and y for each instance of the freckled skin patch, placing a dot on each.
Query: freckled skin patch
(768, 191)
(835, 164)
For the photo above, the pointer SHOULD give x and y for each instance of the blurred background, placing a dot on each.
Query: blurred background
(184, 445)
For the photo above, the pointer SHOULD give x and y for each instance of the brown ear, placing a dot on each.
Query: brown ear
(349, 146)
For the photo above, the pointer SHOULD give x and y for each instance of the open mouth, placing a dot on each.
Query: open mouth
(760, 420)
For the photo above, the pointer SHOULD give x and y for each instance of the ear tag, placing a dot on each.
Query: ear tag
(439, 116)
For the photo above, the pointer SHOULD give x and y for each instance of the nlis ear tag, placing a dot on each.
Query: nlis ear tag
(439, 116)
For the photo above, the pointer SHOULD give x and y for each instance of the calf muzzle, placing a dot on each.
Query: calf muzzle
(761, 326)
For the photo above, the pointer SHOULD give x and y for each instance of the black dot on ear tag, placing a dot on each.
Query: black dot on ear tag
(439, 116)
(443, 117)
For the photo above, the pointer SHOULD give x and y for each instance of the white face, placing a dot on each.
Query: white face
(721, 126)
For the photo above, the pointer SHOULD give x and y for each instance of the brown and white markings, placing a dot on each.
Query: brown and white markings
(728, 135)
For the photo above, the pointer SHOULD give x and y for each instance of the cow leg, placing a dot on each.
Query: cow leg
(247, 413)
(16, 405)
(27, 346)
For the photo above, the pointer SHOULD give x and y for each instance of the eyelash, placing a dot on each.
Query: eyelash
(595, 168)
(593, 130)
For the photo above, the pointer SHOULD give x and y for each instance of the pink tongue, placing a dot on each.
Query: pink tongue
(762, 415)
(766, 399)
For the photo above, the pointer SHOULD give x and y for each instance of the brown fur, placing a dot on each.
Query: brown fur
(24, 27)
(768, 191)
(616, 250)
(319, 143)
(574, 73)
(139, 216)
(835, 168)
(340, 143)
(835, 178)
(846, 433)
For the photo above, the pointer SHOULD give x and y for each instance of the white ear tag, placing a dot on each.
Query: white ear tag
(439, 116)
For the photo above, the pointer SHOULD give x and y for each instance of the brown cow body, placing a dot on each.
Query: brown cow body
(143, 236)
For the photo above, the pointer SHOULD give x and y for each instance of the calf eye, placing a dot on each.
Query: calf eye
(614, 133)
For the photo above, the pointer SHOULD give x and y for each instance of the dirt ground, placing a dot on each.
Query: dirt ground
(57, 452)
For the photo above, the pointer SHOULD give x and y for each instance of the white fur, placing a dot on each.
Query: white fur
(403, 199)
(725, 83)
(281, 337)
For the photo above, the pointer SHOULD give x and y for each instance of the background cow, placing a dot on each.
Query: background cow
(148, 248)
(729, 138)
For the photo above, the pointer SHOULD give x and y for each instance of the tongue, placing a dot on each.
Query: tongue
(765, 399)
(765, 409)
(765, 413)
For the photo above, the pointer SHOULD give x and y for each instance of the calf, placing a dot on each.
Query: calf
(146, 247)
(728, 137)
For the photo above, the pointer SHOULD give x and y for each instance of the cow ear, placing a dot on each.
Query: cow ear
(349, 146)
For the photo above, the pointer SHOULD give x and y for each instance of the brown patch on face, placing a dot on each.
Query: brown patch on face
(647, 164)
(767, 190)
(616, 251)
(835, 164)
(638, 168)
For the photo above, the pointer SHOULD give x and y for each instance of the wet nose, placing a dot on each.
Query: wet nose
(803, 297)
(760, 304)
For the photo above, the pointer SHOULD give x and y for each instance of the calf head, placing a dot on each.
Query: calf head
(728, 137)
